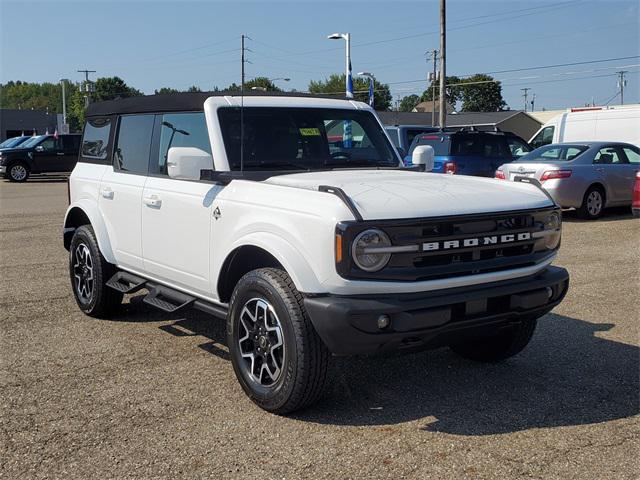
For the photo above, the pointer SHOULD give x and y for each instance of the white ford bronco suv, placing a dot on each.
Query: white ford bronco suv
(292, 218)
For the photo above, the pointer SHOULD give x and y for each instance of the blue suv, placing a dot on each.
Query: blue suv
(470, 152)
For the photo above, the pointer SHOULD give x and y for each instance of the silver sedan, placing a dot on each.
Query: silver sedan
(588, 176)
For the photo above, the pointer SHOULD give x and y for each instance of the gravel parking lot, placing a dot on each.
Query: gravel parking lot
(150, 395)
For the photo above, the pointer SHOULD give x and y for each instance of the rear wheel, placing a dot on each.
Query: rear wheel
(278, 358)
(18, 172)
(89, 272)
(502, 345)
(592, 204)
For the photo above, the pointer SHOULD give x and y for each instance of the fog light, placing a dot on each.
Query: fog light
(383, 321)
(549, 292)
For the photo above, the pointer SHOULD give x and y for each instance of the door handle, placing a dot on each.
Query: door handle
(152, 201)
(106, 192)
(600, 169)
(60, 153)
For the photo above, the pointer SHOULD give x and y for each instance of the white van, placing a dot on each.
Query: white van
(608, 124)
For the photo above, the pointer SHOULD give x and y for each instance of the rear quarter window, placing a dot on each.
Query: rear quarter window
(95, 141)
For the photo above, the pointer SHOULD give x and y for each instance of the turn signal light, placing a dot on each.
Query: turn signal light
(500, 175)
(338, 248)
(551, 174)
(450, 168)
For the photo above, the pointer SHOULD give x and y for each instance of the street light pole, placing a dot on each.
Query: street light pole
(443, 75)
(348, 79)
(63, 81)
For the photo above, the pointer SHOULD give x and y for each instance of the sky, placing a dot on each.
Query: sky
(170, 43)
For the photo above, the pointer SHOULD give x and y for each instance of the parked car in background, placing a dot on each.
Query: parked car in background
(606, 124)
(402, 135)
(635, 204)
(14, 142)
(588, 176)
(41, 154)
(471, 152)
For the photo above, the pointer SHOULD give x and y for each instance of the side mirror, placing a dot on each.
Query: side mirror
(186, 162)
(423, 155)
(39, 148)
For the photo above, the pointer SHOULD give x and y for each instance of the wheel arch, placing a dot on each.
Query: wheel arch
(264, 251)
(83, 213)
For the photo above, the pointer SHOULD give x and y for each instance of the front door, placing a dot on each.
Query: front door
(70, 149)
(177, 214)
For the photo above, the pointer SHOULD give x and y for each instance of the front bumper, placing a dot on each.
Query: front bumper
(349, 325)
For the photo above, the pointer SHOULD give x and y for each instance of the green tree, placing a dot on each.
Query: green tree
(165, 90)
(483, 94)
(110, 88)
(193, 88)
(335, 85)
(453, 92)
(409, 102)
(263, 83)
(478, 93)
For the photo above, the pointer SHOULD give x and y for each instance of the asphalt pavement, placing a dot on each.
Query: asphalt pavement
(151, 395)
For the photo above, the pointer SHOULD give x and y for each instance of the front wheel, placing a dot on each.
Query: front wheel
(504, 344)
(18, 172)
(278, 358)
(89, 272)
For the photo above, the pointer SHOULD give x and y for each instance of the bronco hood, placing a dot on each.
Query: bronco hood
(390, 194)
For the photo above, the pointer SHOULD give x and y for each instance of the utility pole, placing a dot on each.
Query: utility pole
(533, 103)
(433, 77)
(525, 95)
(443, 75)
(87, 84)
(621, 84)
(242, 62)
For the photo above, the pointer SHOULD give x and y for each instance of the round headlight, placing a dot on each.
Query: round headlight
(363, 250)
(553, 225)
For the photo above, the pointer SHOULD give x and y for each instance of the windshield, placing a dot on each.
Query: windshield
(282, 138)
(32, 141)
(12, 142)
(554, 153)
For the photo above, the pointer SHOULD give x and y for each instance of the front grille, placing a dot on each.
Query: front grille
(447, 263)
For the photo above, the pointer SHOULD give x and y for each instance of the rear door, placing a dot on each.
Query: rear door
(121, 189)
(616, 173)
(177, 214)
(70, 149)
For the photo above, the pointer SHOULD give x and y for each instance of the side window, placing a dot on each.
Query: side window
(517, 148)
(179, 130)
(632, 155)
(544, 137)
(573, 152)
(133, 143)
(467, 145)
(495, 147)
(49, 145)
(608, 156)
(95, 141)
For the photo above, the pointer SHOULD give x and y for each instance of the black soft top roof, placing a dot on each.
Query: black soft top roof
(177, 102)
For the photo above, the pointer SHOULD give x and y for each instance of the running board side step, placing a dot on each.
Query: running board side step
(167, 299)
(125, 282)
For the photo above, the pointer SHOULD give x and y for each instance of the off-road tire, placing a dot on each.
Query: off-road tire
(505, 344)
(304, 369)
(17, 172)
(586, 210)
(103, 302)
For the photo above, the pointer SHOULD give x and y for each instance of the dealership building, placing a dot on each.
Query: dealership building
(14, 122)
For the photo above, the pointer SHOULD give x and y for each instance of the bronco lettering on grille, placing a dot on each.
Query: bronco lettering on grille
(476, 241)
